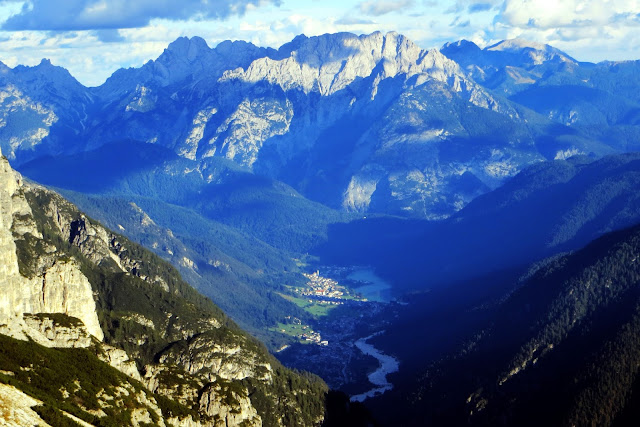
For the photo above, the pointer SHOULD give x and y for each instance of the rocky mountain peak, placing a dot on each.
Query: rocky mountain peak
(461, 44)
(518, 44)
(238, 47)
(331, 48)
(466, 53)
(47, 72)
(233, 54)
(285, 50)
(510, 65)
(186, 48)
(461, 47)
(330, 62)
(538, 53)
(184, 59)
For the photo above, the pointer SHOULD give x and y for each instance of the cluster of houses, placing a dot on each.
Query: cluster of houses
(308, 334)
(314, 337)
(321, 286)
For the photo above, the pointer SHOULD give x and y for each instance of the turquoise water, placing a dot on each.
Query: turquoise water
(373, 288)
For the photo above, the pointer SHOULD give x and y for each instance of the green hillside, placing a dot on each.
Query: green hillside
(162, 323)
(563, 348)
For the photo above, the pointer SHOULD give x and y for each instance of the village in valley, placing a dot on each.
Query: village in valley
(345, 303)
(318, 297)
(303, 332)
(326, 290)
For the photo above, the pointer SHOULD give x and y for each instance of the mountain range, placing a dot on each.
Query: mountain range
(483, 183)
(329, 127)
(369, 123)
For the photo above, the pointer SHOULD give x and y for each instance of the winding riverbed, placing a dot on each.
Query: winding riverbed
(378, 377)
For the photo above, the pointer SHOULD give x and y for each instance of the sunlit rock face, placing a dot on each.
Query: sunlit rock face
(58, 288)
(212, 402)
(49, 249)
(369, 123)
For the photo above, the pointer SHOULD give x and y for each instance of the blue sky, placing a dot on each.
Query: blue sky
(93, 38)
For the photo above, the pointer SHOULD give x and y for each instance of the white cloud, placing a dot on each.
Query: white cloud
(382, 7)
(473, 6)
(590, 30)
(66, 15)
(82, 53)
(546, 14)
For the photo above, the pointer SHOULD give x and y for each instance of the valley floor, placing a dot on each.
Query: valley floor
(363, 311)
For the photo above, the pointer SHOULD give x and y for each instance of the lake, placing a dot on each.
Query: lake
(373, 287)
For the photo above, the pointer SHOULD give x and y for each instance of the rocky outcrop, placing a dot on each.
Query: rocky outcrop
(329, 63)
(94, 241)
(242, 134)
(17, 106)
(10, 204)
(16, 408)
(56, 288)
(120, 360)
(228, 407)
(155, 379)
(202, 367)
(213, 358)
(58, 331)
(65, 290)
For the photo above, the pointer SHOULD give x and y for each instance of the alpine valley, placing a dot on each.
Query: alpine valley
(449, 236)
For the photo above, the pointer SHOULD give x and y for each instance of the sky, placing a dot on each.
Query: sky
(93, 38)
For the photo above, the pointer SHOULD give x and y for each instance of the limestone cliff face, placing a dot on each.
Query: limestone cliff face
(51, 332)
(228, 359)
(120, 360)
(228, 408)
(9, 275)
(57, 288)
(67, 282)
(16, 408)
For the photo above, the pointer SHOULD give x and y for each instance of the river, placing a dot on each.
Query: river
(378, 377)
